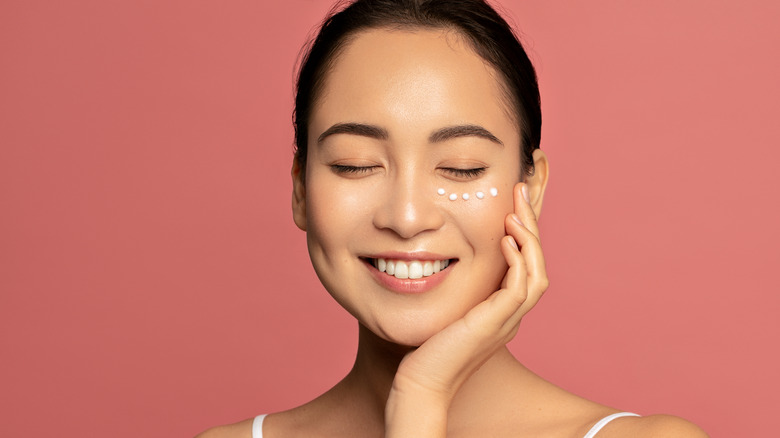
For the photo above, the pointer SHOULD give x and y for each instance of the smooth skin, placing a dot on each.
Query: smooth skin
(433, 364)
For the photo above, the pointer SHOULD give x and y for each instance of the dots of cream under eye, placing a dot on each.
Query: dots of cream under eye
(465, 196)
(494, 191)
(480, 195)
(453, 197)
(440, 191)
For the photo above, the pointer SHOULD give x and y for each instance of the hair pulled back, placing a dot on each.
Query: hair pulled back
(476, 21)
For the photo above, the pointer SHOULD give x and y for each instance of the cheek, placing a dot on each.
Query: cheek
(326, 204)
(481, 222)
(479, 206)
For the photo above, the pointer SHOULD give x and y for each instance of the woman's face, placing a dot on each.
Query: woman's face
(402, 115)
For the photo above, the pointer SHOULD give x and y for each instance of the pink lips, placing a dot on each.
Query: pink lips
(407, 285)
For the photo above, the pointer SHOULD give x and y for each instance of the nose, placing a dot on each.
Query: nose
(408, 209)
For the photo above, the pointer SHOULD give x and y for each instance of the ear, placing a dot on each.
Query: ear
(537, 182)
(298, 195)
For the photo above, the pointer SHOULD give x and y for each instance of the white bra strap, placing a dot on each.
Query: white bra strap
(603, 422)
(257, 426)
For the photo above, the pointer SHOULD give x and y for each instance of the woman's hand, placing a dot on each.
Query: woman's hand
(429, 377)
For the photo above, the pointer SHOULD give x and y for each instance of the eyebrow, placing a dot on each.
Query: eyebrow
(438, 136)
(450, 132)
(360, 129)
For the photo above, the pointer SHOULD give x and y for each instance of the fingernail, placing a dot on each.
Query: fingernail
(524, 189)
(516, 218)
(513, 243)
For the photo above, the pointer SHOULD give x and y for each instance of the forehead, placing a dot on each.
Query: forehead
(411, 78)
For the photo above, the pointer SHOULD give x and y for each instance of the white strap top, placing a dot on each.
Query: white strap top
(257, 424)
(603, 422)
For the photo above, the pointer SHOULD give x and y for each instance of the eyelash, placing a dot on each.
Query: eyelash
(465, 173)
(460, 173)
(342, 169)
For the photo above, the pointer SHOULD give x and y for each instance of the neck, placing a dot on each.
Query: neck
(374, 369)
(371, 377)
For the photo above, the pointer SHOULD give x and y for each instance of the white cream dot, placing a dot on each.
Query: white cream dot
(453, 197)
(440, 191)
(465, 196)
(480, 195)
(494, 191)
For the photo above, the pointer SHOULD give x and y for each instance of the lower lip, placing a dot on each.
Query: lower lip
(406, 285)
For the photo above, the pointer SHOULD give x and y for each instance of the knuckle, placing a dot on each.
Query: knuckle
(519, 297)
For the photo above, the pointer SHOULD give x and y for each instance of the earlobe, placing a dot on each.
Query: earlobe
(537, 183)
(298, 195)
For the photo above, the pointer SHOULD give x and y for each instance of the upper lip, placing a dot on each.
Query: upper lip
(409, 256)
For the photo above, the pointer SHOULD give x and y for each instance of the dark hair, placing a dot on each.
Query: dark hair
(482, 27)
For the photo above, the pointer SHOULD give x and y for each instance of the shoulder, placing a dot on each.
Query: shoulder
(242, 429)
(653, 426)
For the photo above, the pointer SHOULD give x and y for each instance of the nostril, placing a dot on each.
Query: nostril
(408, 212)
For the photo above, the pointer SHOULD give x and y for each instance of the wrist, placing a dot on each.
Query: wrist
(415, 411)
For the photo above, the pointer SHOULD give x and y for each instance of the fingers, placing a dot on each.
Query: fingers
(529, 245)
(528, 241)
(492, 314)
(526, 278)
(523, 208)
(518, 297)
(516, 276)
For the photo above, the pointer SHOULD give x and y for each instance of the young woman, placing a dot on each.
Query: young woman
(418, 180)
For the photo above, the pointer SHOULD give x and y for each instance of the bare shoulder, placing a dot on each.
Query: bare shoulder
(242, 429)
(653, 426)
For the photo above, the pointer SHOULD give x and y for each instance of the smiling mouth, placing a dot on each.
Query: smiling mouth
(410, 269)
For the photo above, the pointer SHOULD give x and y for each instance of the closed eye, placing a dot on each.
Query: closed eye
(465, 173)
(351, 170)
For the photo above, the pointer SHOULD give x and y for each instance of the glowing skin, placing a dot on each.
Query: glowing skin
(368, 197)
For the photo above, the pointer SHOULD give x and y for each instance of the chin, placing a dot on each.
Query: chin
(411, 340)
(412, 332)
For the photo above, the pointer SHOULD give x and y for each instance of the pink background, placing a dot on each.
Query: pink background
(152, 281)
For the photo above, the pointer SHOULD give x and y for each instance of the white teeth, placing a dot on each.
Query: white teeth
(427, 269)
(411, 269)
(415, 270)
(401, 270)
